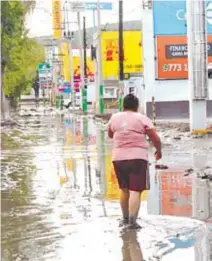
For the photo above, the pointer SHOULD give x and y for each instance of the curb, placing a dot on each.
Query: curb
(202, 132)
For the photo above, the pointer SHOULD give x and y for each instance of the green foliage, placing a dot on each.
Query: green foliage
(20, 55)
(21, 69)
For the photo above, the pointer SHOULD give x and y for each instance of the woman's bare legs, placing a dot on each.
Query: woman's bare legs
(124, 202)
(134, 206)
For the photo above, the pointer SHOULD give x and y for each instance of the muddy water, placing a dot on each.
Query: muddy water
(60, 196)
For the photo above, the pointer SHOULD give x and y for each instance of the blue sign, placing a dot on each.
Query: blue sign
(169, 17)
(103, 6)
(67, 90)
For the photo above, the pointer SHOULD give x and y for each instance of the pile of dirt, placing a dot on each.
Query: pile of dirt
(162, 125)
(104, 117)
(179, 126)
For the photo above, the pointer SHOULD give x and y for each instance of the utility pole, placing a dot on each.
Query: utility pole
(84, 89)
(197, 64)
(68, 35)
(81, 52)
(71, 73)
(99, 80)
(85, 52)
(94, 21)
(121, 55)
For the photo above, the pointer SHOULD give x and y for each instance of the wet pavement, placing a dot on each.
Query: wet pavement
(59, 195)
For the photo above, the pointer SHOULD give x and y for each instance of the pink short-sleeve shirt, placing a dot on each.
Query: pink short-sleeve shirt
(129, 135)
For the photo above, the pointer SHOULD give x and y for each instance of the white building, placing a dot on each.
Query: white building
(171, 96)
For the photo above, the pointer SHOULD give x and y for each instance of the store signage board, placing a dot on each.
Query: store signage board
(44, 66)
(85, 6)
(103, 6)
(78, 6)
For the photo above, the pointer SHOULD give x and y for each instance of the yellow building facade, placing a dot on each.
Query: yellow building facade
(57, 18)
(66, 62)
(133, 59)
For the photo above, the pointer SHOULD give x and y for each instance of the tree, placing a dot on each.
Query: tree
(21, 69)
(19, 54)
(11, 27)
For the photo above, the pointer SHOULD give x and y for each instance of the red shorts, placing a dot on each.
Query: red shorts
(132, 174)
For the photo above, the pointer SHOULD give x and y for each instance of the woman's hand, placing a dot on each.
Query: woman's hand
(155, 139)
(158, 155)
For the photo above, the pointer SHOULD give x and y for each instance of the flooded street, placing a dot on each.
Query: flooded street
(59, 195)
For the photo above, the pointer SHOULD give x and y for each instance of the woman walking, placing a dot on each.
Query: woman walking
(130, 156)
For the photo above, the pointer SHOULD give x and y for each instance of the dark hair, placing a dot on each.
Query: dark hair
(131, 102)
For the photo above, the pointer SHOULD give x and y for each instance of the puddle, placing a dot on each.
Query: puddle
(60, 196)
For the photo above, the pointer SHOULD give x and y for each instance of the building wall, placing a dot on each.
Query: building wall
(171, 96)
(133, 60)
(66, 62)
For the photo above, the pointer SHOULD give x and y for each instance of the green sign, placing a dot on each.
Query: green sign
(101, 99)
(84, 100)
(44, 66)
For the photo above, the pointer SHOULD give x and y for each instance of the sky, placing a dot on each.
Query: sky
(39, 22)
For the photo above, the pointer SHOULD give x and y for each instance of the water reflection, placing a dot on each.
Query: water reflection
(182, 195)
(171, 193)
(112, 188)
(131, 249)
(185, 243)
(175, 193)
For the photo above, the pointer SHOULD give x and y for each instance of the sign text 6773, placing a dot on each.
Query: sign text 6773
(175, 67)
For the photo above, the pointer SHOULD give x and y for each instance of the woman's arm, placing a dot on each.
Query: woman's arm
(152, 134)
(109, 132)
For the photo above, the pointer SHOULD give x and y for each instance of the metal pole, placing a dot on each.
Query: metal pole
(84, 89)
(153, 111)
(94, 22)
(85, 138)
(101, 167)
(72, 74)
(54, 83)
(47, 87)
(74, 145)
(100, 85)
(85, 51)
(121, 55)
(81, 51)
(197, 64)
(69, 35)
